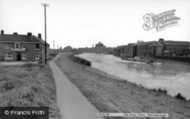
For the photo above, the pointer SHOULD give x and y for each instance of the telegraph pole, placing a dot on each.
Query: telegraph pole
(53, 47)
(45, 25)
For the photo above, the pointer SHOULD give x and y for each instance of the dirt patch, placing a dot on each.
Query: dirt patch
(110, 94)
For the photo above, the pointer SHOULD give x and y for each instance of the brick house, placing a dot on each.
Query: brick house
(15, 47)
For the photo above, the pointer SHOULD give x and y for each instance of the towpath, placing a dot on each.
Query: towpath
(71, 102)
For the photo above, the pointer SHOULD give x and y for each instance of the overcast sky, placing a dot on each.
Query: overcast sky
(82, 23)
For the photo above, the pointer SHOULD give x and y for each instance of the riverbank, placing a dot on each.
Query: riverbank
(109, 94)
(28, 85)
(182, 59)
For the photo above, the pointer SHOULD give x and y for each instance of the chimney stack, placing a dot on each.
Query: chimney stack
(2, 32)
(29, 34)
(40, 35)
(161, 40)
(15, 33)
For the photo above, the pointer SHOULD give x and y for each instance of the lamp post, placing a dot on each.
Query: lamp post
(45, 25)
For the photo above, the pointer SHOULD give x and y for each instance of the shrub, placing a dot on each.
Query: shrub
(41, 66)
(179, 96)
(162, 91)
(4, 79)
(154, 89)
(53, 54)
(40, 61)
(125, 81)
(28, 65)
(7, 86)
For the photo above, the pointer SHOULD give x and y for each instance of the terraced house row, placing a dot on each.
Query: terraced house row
(15, 47)
(160, 48)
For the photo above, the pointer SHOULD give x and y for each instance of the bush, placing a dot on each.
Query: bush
(53, 54)
(28, 65)
(4, 79)
(162, 91)
(8, 86)
(40, 61)
(179, 96)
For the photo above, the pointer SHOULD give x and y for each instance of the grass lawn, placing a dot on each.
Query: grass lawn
(28, 85)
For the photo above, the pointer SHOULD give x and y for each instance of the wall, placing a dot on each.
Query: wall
(159, 51)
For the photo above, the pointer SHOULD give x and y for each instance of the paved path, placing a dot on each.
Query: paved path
(72, 104)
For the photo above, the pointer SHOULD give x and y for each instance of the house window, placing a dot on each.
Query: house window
(37, 56)
(23, 55)
(21, 45)
(8, 55)
(8, 46)
(37, 46)
(17, 45)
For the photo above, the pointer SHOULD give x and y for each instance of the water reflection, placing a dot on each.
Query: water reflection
(173, 76)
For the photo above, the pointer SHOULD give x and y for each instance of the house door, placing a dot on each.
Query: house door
(18, 56)
(153, 51)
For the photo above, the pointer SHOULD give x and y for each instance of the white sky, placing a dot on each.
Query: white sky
(82, 23)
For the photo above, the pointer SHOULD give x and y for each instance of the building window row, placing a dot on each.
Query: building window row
(11, 45)
(8, 55)
(8, 45)
(18, 45)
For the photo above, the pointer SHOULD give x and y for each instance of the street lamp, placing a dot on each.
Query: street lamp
(45, 5)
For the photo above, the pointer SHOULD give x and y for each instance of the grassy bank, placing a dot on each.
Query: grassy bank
(28, 85)
(109, 94)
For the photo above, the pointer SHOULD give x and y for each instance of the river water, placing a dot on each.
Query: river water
(173, 76)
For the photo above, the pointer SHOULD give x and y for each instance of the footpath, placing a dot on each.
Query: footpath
(71, 102)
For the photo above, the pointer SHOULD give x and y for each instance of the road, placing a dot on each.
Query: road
(71, 102)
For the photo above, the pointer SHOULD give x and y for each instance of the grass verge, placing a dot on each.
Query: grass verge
(28, 85)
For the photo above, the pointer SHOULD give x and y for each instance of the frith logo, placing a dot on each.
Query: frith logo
(160, 21)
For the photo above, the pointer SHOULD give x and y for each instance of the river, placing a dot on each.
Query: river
(174, 76)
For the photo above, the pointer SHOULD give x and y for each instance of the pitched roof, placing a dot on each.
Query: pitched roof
(131, 44)
(156, 43)
(176, 43)
(168, 42)
(145, 43)
(20, 38)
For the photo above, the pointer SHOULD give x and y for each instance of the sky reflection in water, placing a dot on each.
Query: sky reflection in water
(173, 76)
